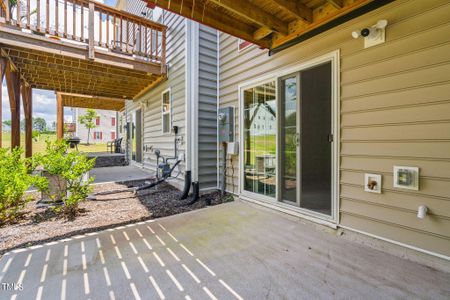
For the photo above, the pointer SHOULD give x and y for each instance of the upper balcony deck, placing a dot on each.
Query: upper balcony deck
(82, 47)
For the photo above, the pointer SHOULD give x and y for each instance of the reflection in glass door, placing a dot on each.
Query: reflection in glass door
(260, 139)
(289, 139)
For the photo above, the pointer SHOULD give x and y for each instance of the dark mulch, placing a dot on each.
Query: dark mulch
(39, 225)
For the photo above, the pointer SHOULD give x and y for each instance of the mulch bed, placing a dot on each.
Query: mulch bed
(40, 225)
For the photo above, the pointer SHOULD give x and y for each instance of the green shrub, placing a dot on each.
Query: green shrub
(15, 179)
(70, 167)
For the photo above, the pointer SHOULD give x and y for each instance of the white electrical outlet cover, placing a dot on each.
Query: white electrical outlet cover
(406, 178)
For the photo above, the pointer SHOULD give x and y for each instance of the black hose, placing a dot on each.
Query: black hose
(187, 185)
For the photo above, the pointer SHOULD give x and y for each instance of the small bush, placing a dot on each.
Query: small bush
(70, 167)
(15, 179)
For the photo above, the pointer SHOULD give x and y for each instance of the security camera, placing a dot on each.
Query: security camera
(366, 32)
(372, 31)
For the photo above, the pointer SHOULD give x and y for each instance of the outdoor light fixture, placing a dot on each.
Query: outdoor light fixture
(373, 35)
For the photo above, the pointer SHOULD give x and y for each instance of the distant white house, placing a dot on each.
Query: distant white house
(105, 130)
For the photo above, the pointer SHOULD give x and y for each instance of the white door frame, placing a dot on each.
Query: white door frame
(333, 219)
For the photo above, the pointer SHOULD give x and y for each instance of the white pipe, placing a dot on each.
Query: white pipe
(422, 212)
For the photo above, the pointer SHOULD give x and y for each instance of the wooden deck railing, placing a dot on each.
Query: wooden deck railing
(88, 22)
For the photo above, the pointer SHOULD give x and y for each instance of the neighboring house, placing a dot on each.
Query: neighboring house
(187, 99)
(341, 113)
(105, 129)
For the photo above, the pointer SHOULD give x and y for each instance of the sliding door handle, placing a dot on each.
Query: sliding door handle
(330, 138)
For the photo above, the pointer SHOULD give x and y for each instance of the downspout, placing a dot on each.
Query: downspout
(187, 103)
(194, 99)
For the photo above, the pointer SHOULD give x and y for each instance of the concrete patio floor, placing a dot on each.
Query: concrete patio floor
(231, 251)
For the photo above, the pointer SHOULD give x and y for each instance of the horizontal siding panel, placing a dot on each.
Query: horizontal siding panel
(434, 74)
(437, 169)
(427, 187)
(408, 61)
(437, 112)
(432, 224)
(396, 233)
(413, 96)
(439, 150)
(399, 200)
(433, 131)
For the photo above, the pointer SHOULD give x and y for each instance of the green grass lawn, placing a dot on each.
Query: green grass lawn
(39, 144)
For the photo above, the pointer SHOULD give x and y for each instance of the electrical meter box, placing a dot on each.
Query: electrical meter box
(226, 124)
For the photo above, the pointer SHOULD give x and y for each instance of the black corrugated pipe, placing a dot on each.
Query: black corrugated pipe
(187, 185)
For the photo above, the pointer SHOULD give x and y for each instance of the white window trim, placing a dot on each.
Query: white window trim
(333, 219)
(166, 113)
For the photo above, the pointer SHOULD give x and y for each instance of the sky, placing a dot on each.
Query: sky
(44, 102)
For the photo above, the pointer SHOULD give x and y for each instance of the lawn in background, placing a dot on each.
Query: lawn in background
(39, 144)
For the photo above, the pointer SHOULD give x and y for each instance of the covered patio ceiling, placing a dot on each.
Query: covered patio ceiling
(94, 102)
(272, 24)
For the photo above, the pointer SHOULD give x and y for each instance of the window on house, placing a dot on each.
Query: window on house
(97, 121)
(166, 112)
(113, 121)
(113, 135)
(98, 135)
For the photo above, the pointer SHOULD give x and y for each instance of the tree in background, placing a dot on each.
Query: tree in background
(7, 123)
(88, 120)
(39, 124)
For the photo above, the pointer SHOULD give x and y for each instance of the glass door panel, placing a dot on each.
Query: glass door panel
(289, 139)
(260, 139)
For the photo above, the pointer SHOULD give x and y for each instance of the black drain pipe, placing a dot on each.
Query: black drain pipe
(195, 195)
(187, 185)
(195, 191)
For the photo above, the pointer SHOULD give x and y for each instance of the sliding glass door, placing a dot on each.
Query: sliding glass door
(288, 140)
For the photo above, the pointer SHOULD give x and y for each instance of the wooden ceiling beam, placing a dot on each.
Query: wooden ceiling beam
(297, 9)
(262, 33)
(249, 11)
(211, 17)
(338, 4)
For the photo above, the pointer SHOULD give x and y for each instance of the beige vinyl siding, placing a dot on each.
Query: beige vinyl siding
(151, 102)
(395, 110)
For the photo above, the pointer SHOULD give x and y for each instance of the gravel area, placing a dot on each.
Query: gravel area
(40, 225)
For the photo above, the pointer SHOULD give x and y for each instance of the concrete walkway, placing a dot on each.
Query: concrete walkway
(231, 251)
(120, 174)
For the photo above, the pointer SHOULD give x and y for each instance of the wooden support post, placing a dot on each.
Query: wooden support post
(8, 16)
(91, 29)
(2, 74)
(59, 117)
(28, 111)
(13, 85)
